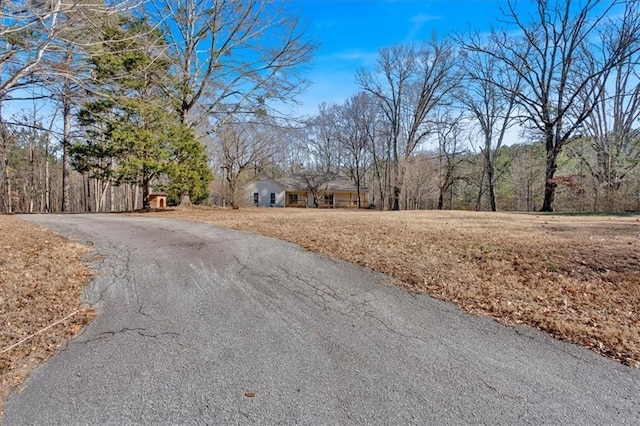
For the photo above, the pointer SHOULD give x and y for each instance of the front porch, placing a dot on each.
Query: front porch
(296, 199)
(329, 200)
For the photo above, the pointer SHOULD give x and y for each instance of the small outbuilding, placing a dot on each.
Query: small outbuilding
(158, 201)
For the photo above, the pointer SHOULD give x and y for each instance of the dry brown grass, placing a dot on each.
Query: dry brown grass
(41, 276)
(577, 278)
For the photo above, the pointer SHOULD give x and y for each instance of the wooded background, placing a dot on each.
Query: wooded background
(103, 102)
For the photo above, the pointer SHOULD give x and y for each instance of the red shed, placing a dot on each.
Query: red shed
(157, 201)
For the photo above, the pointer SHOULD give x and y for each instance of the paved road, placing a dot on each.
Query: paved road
(201, 325)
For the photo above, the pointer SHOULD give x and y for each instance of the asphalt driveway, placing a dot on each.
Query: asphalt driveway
(202, 325)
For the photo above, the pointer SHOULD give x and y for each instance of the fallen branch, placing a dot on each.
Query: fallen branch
(7, 349)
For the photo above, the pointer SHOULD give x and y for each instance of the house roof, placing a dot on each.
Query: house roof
(325, 181)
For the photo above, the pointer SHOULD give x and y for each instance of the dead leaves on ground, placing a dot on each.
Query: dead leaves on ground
(41, 276)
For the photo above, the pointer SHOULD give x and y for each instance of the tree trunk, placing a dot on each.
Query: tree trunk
(32, 176)
(491, 182)
(145, 194)
(232, 180)
(104, 188)
(97, 185)
(185, 199)
(6, 175)
(549, 183)
(378, 176)
(9, 194)
(480, 191)
(47, 180)
(358, 183)
(136, 196)
(89, 199)
(66, 140)
(396, 198)
(112, 206)
(451, 195)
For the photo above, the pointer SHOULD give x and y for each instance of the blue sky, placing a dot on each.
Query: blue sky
(351, 32)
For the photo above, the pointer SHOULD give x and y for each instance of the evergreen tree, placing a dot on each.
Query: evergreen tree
(134, 135)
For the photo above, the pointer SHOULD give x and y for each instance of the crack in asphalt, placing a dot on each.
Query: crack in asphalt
(141, 331)
(141, 311)
(326, 297)
(326, 294)
(243, 266)
(115, 266)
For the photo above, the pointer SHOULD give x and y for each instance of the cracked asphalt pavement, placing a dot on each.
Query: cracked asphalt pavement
(202, 325)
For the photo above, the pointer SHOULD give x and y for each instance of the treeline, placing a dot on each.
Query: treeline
(432, 120)
(540, 114)
(104, 101)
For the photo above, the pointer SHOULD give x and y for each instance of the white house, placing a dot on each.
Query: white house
(302, 190)
(265, 192)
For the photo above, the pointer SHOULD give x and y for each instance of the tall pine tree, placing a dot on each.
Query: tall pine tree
(133, 134)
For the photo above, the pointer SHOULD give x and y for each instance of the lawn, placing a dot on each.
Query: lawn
(575, 277)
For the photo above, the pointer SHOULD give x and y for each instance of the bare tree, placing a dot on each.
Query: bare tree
(492, 109)
(381, 150)
(450, 155)
(356, 129)
(292, 151)
(316, 183)
(421, 179)
(25, 162)
(611, 131)
(32, 30)
(27, 31)
(7, 140)
(526, 170)
(551, 57)
(40, 43)
(230, 57)
(325, 149)
(409, 83)
(239, 148)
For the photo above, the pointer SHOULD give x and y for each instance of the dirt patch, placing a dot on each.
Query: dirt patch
(576, 277)
(41, 277)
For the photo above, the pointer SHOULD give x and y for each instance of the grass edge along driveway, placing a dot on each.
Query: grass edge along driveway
(41, 280)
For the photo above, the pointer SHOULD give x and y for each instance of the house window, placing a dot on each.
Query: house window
(256, 198)
(293, 198)
(328, 199)
(273, 198)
